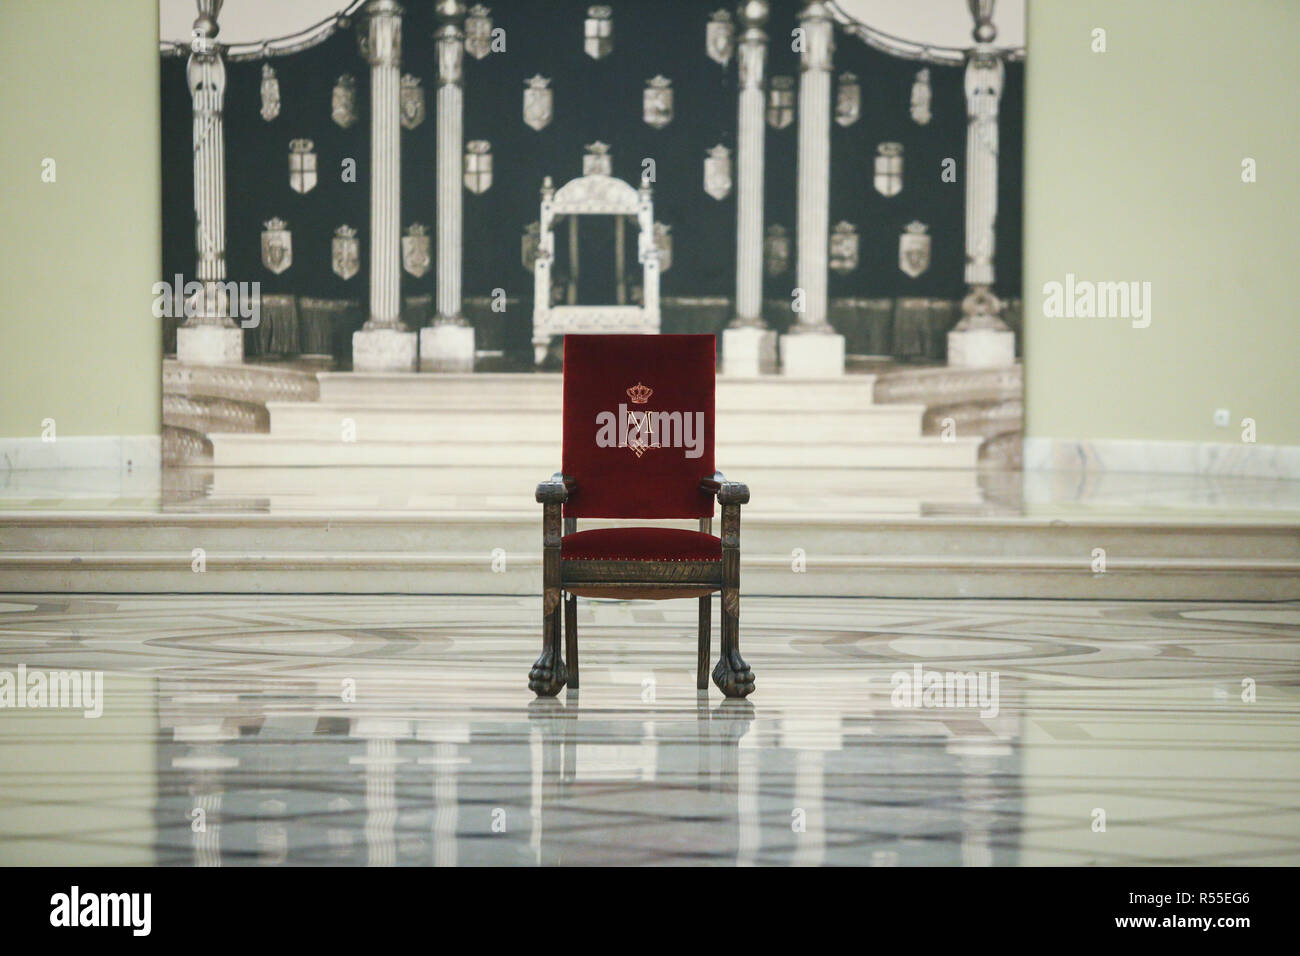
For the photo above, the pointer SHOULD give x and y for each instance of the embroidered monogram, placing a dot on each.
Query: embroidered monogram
(648, 429)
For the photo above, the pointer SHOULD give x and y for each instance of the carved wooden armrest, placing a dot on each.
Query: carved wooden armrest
(728, 492)
(556, 489)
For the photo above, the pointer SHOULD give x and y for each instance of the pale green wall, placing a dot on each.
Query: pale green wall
(78, 257)
(1133, 172)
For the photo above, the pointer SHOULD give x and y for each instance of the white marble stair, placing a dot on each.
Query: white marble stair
(399, 488)
(506, 424)
(546, 390)
(843, 554)
(277, 450)
(474, 421)
(510, 488)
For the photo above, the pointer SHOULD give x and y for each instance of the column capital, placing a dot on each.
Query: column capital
(450, 37)
(381, 35)
(753, 43)
(984, 74)
(818, 36)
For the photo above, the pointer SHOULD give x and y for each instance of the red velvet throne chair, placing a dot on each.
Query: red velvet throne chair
(638, 444)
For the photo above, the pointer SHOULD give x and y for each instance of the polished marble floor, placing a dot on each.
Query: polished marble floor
(282, 730)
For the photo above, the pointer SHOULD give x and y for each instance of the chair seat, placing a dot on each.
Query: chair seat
(640, 544)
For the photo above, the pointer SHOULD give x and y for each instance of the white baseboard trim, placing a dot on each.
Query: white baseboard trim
(121, 454)
(1236, 459)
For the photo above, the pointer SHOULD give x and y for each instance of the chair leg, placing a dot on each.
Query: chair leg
(732, 674)
(571, 639)
(549, 673)
(702, 658)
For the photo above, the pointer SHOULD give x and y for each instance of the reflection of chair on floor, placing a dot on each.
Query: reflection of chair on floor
(580, 755)
(638, 443)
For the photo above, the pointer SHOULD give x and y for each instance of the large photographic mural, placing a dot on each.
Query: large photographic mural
(382, 189)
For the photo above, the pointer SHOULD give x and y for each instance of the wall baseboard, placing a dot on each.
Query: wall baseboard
(1234, 459)
(120, 454)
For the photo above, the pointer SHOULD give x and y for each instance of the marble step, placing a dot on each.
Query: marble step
(273, 450)
(429, 501)
(523, 423)
(546, 390)
(843, 554)
(398, 487)
(280, 572)
(831, 533)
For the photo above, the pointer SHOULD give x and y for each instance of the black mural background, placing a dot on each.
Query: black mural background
(594, 100)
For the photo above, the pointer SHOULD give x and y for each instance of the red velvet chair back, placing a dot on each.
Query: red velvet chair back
(638, 425)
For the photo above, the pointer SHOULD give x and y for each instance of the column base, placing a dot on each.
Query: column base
(447, 348)
(812, 355)
(209, 345)
(383, 350)
(981, 348)
(748, 352)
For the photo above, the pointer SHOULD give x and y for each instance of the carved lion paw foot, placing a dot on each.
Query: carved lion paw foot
(548, 674)
(733, 676)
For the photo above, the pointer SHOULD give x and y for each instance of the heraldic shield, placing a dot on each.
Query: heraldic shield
(415, 250)
(844, 248)
(780, 102)
(914, 249)
(776, 250)
(302, 165)
(270, 93)
(657, 102)
(277, 246)
(478, 166)
(848, 100)
(539, 101)
(717, 172)
(478, 32)
(598, 32)
(921, 95)
(889, 169)
(596, 161)
(720, 38)
(345, 252)
(343, 101)
(411, 99)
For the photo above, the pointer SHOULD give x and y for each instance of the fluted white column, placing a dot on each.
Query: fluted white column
(209, 336)
(984, 75)
(207, 77)
(451, 134)
(983, 86)
(384, 343)
(384, 51)
(749, 185)
(812, 349)
(981, 339)
(814, 170)
(447, 344)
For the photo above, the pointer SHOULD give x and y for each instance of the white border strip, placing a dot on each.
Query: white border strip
(123, 454)
(1167, 457)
